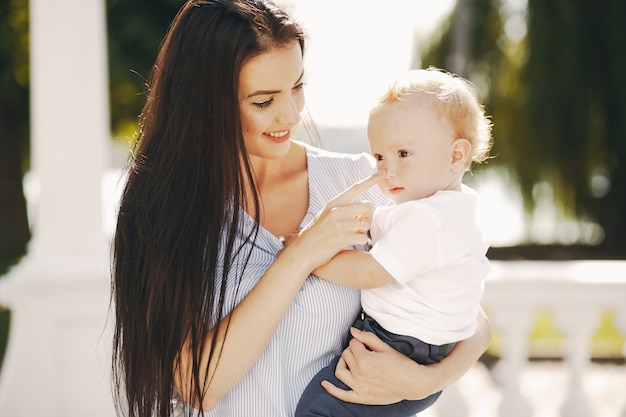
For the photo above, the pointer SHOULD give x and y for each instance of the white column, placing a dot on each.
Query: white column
(56, 363)
(577, 322)
(514, 325)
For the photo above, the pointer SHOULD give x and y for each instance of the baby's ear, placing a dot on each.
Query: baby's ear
(461, 154)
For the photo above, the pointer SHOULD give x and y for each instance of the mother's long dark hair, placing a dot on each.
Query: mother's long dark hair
(183, 194)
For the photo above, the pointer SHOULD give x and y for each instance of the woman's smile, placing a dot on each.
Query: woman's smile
(279, 136)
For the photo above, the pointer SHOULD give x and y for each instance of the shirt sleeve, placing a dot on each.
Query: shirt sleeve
(406, 240)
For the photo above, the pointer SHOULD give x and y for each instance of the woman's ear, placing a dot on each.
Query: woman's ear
(461, 154)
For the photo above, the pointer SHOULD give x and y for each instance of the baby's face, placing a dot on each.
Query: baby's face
(414, 145)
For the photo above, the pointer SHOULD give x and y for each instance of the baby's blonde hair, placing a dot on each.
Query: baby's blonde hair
(452, 97)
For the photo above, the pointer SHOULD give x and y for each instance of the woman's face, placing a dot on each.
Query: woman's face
(271, 98)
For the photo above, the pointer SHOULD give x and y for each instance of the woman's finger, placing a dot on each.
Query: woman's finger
(343, 374)
(353, 192)
(369, 340)
(348, 396)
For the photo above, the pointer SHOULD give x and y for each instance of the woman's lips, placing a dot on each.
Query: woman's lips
(280, 136)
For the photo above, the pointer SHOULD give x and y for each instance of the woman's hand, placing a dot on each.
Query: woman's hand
(247, 330)
(340, 224)
(378, 374)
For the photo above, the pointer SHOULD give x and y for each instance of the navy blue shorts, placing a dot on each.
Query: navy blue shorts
(316, 402)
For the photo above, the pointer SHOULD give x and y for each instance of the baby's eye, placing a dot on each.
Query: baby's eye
(403, 154)
(264, 104)
(378, 157)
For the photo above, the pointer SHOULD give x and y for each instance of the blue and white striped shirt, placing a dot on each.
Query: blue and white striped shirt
(315, 327)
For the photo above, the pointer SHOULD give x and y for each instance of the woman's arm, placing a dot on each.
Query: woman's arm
(246, 331)
(378, 374)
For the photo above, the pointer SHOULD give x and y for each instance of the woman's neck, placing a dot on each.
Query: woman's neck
(268, 172)
(282, 186)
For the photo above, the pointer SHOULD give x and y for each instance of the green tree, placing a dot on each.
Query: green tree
(135, 31)
(555, 96)
(575, 85)
(14, 130)
(14, 140)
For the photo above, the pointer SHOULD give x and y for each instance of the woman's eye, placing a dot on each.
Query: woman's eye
(264, 104)
(299, 86)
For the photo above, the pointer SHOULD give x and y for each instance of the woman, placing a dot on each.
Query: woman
(208, 305)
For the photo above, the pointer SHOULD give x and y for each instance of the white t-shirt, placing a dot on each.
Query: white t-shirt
(435, 251)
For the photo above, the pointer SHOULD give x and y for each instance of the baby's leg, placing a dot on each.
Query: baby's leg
(315, 401)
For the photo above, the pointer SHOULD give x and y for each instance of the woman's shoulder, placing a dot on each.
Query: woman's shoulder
(335, 171)
(362, 164)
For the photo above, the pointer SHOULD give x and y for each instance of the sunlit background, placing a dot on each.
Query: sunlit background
(568, 142)
(356, 48)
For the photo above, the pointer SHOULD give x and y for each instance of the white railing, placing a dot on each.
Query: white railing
(576, 294)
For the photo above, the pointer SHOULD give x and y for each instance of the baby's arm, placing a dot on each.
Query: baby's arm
(355, 269)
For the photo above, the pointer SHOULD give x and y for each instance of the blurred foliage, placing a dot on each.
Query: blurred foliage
(135, 31)
(5, 323)
(554, 90)
(555, 97)
(554, 93)
(14, 129)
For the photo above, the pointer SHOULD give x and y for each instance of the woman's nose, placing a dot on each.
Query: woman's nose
(290, 114)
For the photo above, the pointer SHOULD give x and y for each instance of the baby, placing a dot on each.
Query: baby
(422, 280)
